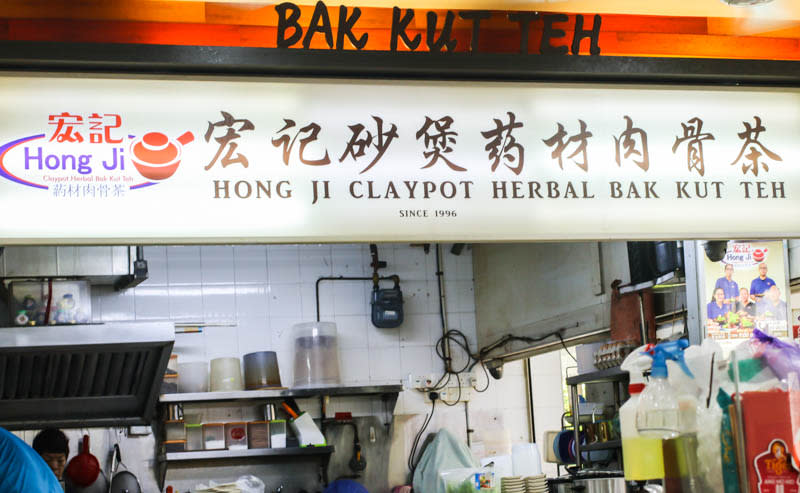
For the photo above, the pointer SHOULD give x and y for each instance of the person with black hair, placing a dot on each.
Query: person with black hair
(22, 470)
(53, 445)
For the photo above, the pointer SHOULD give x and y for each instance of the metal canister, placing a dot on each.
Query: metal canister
(175, 412)
(560, 485)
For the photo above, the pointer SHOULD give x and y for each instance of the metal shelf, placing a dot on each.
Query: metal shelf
(608, 375)
(349, 391)
(245, 453)
(611, 444)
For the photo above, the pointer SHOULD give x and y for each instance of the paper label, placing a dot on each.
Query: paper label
(775, 471)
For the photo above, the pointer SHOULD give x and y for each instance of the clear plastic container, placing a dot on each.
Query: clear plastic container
(176, 430)
(71, 302)
(194, 437)
(175, 446)
(226, 375)
(258, 434)
(236, 436)
(316, 354)
(193, 377)
(214, 436)
(277, 433)
(261, 370)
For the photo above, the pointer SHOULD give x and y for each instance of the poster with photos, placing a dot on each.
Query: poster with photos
(747, 289)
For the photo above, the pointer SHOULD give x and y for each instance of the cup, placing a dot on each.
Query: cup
(590, 429)
(603, 431)
(175, 412)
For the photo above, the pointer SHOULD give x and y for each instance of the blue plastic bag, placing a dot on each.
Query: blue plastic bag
(22, 470)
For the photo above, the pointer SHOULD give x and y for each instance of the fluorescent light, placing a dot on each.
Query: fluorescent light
(745, 3)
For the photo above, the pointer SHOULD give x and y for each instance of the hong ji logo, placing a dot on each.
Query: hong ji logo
(91, 156)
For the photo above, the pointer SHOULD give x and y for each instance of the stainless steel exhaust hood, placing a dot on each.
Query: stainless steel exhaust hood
(82, 375)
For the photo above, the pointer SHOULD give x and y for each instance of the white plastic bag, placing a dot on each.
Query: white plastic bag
(245, 484)
(250, 484)
(469, 480)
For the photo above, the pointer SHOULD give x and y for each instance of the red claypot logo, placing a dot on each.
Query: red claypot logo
(759, 254)
(237, 433)
(156, 156)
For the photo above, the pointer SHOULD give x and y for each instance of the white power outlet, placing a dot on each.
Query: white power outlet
(421, 382)
(451, 394)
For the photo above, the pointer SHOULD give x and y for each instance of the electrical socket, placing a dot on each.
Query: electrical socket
(421, 382)
(451, 394)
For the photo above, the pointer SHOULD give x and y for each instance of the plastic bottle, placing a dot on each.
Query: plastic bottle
(658, 411)
(642, 455)
(660, 415)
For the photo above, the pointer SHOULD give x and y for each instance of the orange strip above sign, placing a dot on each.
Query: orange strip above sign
(294, 26)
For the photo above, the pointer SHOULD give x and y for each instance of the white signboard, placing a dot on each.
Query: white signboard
(105, 160)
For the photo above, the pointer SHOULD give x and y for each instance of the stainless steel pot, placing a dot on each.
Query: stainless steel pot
(122, 481)
(599, 485)
(560, 485)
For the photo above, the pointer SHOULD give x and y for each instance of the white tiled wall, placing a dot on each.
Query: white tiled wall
(262, 291)
(257, 293)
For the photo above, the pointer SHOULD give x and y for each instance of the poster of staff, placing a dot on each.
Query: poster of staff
(747, 289)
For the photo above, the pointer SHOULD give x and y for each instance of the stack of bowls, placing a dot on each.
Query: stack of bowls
(536, 484)
(513, 484)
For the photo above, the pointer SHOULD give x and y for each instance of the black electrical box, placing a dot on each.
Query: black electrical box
(387, 307)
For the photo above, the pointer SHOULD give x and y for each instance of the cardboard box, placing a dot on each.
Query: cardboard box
(772, 440)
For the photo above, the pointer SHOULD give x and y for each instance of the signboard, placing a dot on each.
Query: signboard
(747, 289)
(104, 160)
(290, 32)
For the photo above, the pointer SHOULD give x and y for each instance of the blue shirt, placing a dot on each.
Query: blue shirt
(730, 288)
(713, 311)
(759, 286)
(22, 470)
(772, 312)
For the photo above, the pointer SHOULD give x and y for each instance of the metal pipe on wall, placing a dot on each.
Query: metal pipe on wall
(694, 301)
(593, 336)
(443, 307)
(529, 399)
(394, 278)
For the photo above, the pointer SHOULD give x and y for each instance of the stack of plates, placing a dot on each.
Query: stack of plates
(514, 484)
(536, 484)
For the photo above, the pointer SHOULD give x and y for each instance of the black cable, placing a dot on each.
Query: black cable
(417, 437)
(439, 274)
(458, 379)
(412, 465)
(453, 337)
(565, 347)
(458, 339)
(488, 380)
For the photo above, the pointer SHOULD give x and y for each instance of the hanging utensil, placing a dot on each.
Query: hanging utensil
(122, 481)
(84, 468)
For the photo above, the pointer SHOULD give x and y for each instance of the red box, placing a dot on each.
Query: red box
(771, 430)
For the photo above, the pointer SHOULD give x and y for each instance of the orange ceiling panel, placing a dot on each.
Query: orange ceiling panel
(254, 25)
